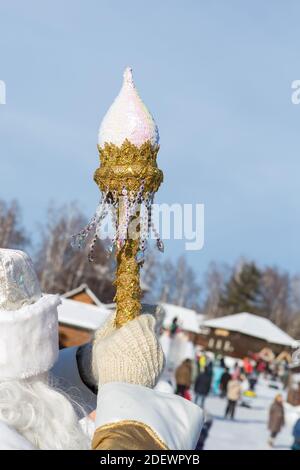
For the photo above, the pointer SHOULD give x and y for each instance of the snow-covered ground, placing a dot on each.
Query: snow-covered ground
(249, 429)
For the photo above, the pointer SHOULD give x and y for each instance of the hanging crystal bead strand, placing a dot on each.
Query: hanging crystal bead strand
(78, 240)
(149, 211)
(137, 199)
(102, 213)
(159, 242)
(140, 257)
(114, 220)
(124, 222)
(91, 249)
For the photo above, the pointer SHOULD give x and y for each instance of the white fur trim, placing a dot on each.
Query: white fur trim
(176, 421)
(29, 339)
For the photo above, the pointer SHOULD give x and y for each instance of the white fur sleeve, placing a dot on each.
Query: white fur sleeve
(176, 421)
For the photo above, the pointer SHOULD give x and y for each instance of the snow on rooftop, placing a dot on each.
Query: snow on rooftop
(83, 288)
(81, 315)
(187, 319)
(252, 325)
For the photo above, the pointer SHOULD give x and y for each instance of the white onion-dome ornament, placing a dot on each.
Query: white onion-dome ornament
(128, 177)
(128, 118)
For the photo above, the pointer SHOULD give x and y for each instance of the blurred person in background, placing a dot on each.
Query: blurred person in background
(208, 420)
(261, 366)
(218, 370)
(183, 377)
(236, 371)
(203, 384)
(253, 377)
(247, 366)
(226, 377)
(202, 361)
(283, 374)
(296, 436)
(276, 418)
(174, 327)
(234, 391)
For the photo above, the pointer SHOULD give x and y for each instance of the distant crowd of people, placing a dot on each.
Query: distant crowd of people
(205, 376)
(215, 377)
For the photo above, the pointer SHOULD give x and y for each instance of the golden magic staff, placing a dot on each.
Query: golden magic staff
(128, 177)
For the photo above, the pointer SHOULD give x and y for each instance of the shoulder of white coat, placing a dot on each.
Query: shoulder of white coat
(10, 439)
(176, 421)
(67, 378)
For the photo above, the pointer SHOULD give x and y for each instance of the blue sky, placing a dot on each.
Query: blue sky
(217, 77)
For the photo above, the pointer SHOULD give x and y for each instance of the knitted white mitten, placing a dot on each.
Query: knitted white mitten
(130, 354)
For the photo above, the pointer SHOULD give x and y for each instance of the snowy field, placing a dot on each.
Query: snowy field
(249, 429)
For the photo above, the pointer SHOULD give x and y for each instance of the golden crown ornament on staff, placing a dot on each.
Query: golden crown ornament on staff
(128, 177)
